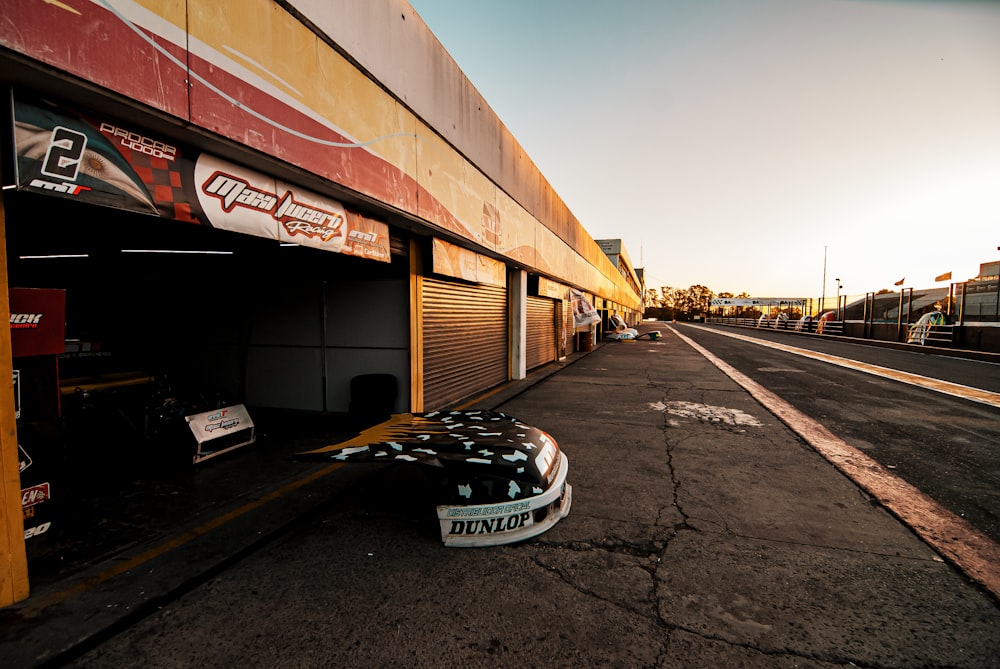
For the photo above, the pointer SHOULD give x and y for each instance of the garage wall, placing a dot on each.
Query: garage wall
(284, 357)
(367, 332)
(291, 366)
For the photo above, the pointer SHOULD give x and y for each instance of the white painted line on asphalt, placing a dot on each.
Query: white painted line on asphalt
(946, 387)
(952, 537)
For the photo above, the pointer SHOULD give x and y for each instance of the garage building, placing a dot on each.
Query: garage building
(222, 208)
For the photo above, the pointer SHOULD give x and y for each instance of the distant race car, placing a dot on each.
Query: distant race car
(921, 331)
(503, 481)
(822, 323)
(779, 321)
(619, 330)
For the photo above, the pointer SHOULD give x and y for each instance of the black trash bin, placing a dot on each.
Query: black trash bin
(373, 398)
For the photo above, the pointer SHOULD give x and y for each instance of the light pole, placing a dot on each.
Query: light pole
(838, 299)
(822, 300)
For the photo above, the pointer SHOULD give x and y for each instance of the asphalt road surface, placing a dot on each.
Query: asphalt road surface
(943, 445)
(704, 533)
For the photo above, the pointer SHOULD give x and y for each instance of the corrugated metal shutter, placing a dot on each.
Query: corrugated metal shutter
(567, 329)
(541, 331)
(465, 340)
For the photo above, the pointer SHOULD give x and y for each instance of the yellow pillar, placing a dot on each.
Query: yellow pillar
(13, 559)
(416, 328)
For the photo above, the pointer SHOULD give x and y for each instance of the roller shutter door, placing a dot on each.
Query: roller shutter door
(541, 331)
(567, 328)
(465, 340)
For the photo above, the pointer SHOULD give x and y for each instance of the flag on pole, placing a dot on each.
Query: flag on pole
(943, 277)
(900, 282)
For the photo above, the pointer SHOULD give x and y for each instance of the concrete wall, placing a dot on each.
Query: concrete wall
(390, 40)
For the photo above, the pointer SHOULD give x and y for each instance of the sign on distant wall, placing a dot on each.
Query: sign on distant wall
(460, 263)
(105, 162)
(549, 288)
(610, 246)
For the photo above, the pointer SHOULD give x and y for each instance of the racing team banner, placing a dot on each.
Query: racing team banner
(101, 161)
(584, 313)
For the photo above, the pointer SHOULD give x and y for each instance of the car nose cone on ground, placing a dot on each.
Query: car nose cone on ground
(502, 481)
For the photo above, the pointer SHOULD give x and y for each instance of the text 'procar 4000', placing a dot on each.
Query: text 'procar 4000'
(504, 481)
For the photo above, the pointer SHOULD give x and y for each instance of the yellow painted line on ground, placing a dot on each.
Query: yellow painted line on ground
(480, 398)
(952, 537)
(35, 607)
(946, 387)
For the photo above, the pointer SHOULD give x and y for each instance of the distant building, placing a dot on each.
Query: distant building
(988, 270)
(616, 253)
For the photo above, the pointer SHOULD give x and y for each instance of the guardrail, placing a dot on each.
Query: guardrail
(813, 326)
(981, 336)
(924, 334)
(932, 335)
(818, 327)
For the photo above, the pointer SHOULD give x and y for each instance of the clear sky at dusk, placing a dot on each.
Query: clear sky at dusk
(727, 142)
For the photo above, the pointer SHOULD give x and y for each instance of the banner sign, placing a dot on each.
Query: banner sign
(235, 198)
(37, 321)
(549, 288)
(98, 161)
(584, 313)
(758, 301)
(104, 162)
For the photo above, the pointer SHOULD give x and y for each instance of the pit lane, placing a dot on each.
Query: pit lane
(942, 444)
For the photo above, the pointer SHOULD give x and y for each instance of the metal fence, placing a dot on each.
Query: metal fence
(962, 303)
(915, 333)
(970, 316)
(807, 324)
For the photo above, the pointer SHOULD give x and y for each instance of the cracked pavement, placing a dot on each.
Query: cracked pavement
(694, 540)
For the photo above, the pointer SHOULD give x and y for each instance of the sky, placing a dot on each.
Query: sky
(761, 146)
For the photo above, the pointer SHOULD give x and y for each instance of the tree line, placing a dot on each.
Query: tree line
(682, 304)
